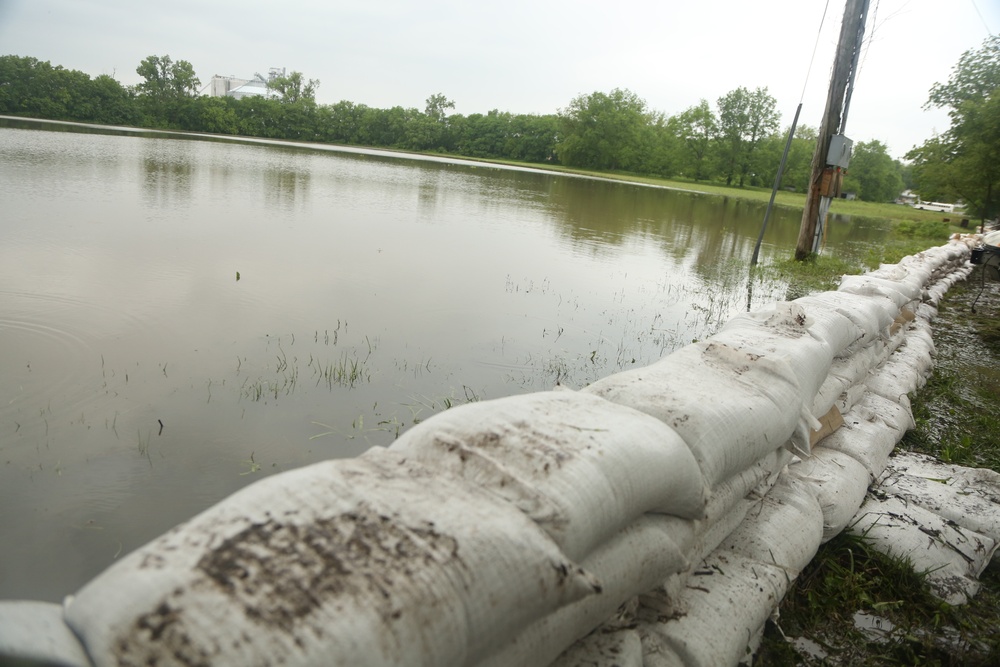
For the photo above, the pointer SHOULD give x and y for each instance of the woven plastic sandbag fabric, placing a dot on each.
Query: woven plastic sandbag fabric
(374, 560)
(730, 407)
(581, 467)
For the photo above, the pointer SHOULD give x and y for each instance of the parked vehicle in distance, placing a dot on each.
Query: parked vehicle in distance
(934, 206)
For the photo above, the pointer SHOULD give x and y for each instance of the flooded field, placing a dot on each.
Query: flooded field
(181, 317)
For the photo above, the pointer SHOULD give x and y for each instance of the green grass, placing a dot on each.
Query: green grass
(847, 578)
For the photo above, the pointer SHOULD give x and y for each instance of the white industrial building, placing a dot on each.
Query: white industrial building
(232, 86)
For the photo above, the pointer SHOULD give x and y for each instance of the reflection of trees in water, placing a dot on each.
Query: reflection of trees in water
(166, 179)
(284, 187)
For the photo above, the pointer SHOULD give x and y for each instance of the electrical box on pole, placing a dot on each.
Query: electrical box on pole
(839, 154)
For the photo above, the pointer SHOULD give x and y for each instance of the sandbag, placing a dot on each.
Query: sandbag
(871, 430)
(644, 553)
(729, 600)
(901, 294)
(785, 528)
(733, 591)
(604, 648)
(783, 332)
(845, 374)
(578, 465)
(730, 407)
(33, 633)
(839, 482)
(969, 497)
(952, 557)
(871, 314)
(374, 560)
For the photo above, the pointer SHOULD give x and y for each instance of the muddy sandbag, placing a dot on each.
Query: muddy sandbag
(846, 373)
(728, 601)
(839, 482)
(872, 315)
(903, 373)
(783, 332)
(604, 648)
(953, 557)
(870, 432)
(730, 407)
(901, 294)
(970, 497)
(578, 465)
(785, 528)
(33, 633)
(374, 560)
(633, 561)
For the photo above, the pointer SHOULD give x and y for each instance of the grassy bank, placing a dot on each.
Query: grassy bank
(783, 198)
(854, 606)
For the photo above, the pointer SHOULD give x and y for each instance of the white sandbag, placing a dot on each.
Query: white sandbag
(374, 560)
(870, 432)
(728, 506)
(952, 557)
(730, 407)
(970, 497)
(851, 397)
(732, 592)
(900, 294)
(728, 603)
(604, 648)
(646, 552)
(901, 375)
(845, 373)
(783, 332)
(784, 529)
(33, 633)
(578, 465)
(840, 483)
(872, 315)
(831, 326)
(753, 483)
(912, 274)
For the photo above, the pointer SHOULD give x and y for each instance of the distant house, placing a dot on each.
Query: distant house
(908, 197)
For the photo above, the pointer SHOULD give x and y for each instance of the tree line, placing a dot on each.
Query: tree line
(737, 141)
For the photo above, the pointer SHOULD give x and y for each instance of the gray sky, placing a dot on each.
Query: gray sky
(530, 56)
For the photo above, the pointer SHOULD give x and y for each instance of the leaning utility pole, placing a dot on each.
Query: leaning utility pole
(827, 164)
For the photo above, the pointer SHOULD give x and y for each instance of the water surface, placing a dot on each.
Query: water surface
(179, 318)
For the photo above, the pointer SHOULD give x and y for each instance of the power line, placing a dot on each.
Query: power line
(981, 17)
(815, 46)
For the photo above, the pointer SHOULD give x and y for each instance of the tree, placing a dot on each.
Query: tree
(166, 88)
(965, 161)
(697, 129)
(294, 88)
(873, 174)
(746, 119)
(976, 75)
(604, 131)
(165, 78)
(437, 104)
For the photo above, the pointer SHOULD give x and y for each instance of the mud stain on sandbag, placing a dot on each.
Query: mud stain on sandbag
(159, 637)
(543, 450)
(280, 573)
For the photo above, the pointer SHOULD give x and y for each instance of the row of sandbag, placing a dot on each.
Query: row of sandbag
(716, 614)
(502, 532)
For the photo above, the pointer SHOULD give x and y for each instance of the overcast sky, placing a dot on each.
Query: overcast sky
(530, 56)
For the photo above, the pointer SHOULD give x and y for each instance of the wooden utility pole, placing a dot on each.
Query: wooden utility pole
(824, 183)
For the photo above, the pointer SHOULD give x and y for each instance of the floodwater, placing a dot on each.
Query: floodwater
(181, 317)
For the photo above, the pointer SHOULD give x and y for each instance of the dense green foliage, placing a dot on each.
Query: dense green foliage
(737, 142)
(964, 162)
